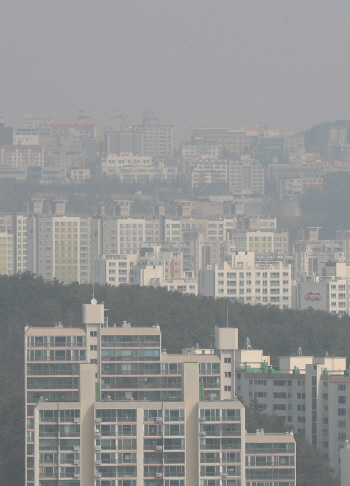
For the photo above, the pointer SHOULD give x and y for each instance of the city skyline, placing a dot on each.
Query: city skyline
(229, 63)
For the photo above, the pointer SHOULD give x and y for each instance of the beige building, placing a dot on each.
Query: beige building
(94, 416)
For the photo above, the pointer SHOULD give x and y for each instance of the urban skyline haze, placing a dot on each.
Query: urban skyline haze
(193, 63)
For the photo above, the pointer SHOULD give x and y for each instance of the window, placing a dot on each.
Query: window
(342, 412)
(227, 388)
(93, 347)
(342, 399)
(227, 374)
(227, 360)
(93, 333)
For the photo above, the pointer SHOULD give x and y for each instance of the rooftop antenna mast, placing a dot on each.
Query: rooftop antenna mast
(227, 316)
(247, 343)
(300, 352)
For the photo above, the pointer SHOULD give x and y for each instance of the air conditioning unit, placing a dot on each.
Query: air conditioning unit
(224, 475)
(77, 420)
(76, 462)
(97, 434)
(202, 434)
(202, 419)
(159, 448)
(97, 448)
(159, 475)
(77, 475)
(98, 420)
(77, 448)
(159, 419)
(97, 475)
(98, 462)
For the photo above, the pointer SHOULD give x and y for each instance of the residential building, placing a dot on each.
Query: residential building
(6, 253)
(229, 141)
(246, 177)
(270, 459)
(248, 281)
(210, 172)
(94, 417)
(21, 156)
(60, 247)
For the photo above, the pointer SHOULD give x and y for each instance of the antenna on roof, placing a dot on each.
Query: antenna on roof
(300, 352)
(247, 343)
(227, 316)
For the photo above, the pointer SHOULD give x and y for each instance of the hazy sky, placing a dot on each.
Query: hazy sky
(193, 62)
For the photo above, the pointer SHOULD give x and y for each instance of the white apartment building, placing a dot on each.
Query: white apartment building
(113, 164)
(115, 270)
(210, 172)
(26, 137)
(246, 177)
(248, 281)
(21, 242)
(329, 292)
(156, 269)
(21, 156)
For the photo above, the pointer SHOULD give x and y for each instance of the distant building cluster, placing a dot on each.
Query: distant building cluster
(243, 162)
(243, 258)
(213, 240)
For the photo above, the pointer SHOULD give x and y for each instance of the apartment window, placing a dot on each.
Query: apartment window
(93, 333)
(227, 388)
(342, 399)
(93, 347)
(227, 374)
(227, 360)
(342, 412)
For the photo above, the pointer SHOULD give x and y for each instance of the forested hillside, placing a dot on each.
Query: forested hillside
(184, 321)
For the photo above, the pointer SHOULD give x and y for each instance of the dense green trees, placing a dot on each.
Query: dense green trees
(184, 321)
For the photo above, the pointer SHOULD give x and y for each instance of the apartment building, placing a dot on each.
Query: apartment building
(248, 281)
(114, 164)
(60, 247)
(115, 269)
(6, 253)
(209, 172)
(260, 241)
(234, 141)
(329, 292)
(21, 156)
(149, 139)
(270, 458)
(246, 177)
(105, 406)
